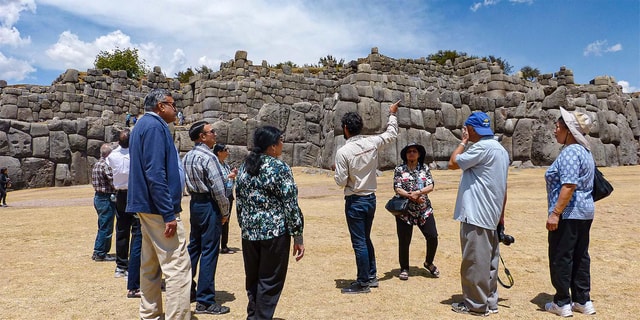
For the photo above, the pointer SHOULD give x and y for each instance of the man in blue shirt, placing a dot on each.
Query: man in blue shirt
(155, 192)
(482, 195)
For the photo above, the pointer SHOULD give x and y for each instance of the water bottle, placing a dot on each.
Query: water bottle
(229, 184)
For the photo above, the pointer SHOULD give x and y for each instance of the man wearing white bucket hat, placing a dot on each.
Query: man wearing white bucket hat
(570, 213)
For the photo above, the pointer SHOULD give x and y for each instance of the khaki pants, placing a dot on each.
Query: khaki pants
(169, 256)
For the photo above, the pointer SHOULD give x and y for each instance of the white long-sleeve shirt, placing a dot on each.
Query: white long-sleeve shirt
(357, 161)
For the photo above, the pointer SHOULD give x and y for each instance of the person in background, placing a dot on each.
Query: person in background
(412, 179)
(482, 196)
(5, 183)
(269, 215)
(209, 208)
(127, 223)
(355, 170)
(104, 203)
(155, 193)
(222, 152)
(570, 214)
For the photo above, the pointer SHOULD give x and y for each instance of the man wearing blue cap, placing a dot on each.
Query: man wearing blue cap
(482, 196)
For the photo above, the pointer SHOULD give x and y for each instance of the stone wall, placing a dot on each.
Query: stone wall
(50, 135)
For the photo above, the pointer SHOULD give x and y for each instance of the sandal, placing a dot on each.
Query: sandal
(134, 293)
(404, 274)
(432, 269)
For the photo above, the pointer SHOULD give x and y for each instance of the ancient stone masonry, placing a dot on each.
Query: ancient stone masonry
(51, 135)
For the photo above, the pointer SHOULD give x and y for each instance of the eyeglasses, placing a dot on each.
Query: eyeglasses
(412, 151)
(172, 104)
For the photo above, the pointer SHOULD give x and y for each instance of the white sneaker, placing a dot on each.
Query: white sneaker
(586, 308)
(564, 311)
(120, 273)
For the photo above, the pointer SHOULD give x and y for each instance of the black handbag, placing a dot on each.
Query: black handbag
(397, 205)
(601, 187)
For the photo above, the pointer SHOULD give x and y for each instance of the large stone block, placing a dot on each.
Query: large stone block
(77, 142)
(349, 93)
(306, 154)
(62, 175)
(8, 111)
(341, 108)
(449, 116)
(522, 140)
(19, 143)
(79, 172)
(59, 150)
(296, 130)
(371, 113)
(41, 147)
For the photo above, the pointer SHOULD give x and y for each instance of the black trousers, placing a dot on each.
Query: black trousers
(569, 261)
(265, 268)
(225, 228)
(405, 232)
(126, 224)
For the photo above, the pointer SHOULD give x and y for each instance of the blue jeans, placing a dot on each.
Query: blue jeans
(106, 210)
(360, 211)
(204, 245)
(133, 280)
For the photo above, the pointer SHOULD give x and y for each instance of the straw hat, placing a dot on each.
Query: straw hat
(579, 125)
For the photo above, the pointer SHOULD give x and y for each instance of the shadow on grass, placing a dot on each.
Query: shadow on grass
(541, 299)
(224, 296)
(413, 272)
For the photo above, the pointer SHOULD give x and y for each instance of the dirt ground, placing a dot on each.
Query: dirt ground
(47, 271)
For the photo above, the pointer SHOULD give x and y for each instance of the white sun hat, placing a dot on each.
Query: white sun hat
(579, 125)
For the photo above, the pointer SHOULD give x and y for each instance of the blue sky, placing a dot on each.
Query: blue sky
(41, 39)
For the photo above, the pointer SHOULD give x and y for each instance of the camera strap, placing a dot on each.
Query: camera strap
(509, 277)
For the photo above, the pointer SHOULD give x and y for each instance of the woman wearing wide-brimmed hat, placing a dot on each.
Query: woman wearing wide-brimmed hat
(412, 179)
(570, 214)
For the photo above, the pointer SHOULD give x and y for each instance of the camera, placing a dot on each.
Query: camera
(506, 239)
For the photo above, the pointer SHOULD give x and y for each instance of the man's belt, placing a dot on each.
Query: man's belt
(201, 196)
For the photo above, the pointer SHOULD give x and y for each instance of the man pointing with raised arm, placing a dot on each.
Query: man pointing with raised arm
(356, 164)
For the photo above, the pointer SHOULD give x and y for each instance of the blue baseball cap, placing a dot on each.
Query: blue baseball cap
(480, 122)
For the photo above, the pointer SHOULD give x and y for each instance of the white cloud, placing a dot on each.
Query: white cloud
(9, 15)
(627, 88)
(13, 69)
(72, 52)
(598, 47)
(615, 48)
(476, 6)
(485, 3)
(205, 61)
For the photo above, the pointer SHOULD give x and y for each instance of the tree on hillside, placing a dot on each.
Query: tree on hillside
(330, 61)
(442, 56)
(506, 67)
(529, 73)
(184, 76)
(120, 59)
(286, 63)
